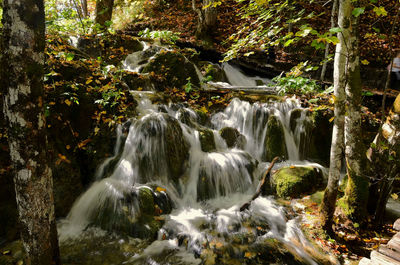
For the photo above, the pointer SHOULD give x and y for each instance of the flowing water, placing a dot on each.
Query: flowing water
(172, 191)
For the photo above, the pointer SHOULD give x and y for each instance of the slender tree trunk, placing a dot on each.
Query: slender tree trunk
(104, 10)
(84, 8)
(22, 83)
(354, 202)
(328, 205)
(333, 23)
(384, 156)
(207, 20)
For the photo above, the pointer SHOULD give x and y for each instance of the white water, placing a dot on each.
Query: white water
(237, 78)
(222, 178)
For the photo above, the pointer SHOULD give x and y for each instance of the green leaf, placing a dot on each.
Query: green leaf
(335, 30)
(380, 11)
(288, 42)
(69, 56)
(358, 11)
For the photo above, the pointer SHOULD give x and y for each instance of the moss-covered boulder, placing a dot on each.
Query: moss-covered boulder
(320, 136)
(213, 72)
(233, 137)
(207, 140)
(136, 213)
(274, 140)
(169, 151)
(137, 60)
(172, 69)
(295, 181)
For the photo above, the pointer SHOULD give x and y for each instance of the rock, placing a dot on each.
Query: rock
(213, 72)
(396, 225)
(135, 214)
(137, 81)
(233, 137)
(207, 140)
(172, 69)
(295, 181)
(137, 60)
(274, 140)
(165, 133)
(320, 137)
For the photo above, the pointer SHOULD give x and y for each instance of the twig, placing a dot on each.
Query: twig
(261, 186)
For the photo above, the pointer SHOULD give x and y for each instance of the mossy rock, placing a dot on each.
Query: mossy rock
(274, 140)
(233, 137)
(320, 133)
(207, 141)
(213, 72)
(295, 181)
(173, 70)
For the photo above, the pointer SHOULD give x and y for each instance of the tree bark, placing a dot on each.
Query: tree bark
(22, 83)
(354, 202)
(384, 156)
(84, 8)
(333, 23)
(104, 10)
(327, 208)
(207, 20)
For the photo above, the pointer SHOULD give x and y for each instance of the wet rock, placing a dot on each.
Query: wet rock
(320, 133)
(295, 181)
(172, 69)
(165, 132)
(213, 72)
(137, 213)
(274, 140)
(233, 137)
(137, 81)
(137, 60)
(207, 140)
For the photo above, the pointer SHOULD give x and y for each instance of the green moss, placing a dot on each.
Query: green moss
(146, 200)
(295, 181)
(317, 197)
(275, 140)
(207, 140)
(230, 135)
(354, 203)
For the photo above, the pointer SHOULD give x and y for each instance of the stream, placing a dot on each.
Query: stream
(172, 191)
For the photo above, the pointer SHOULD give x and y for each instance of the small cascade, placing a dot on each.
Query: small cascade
(251, 120)
(237, 78)
(177, 180)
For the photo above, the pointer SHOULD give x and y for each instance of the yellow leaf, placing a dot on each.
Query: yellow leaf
(88, 81)
(394, 196)
(52, 103)
(96, 130)
(365, 62)
(68, 146)
(68, 102)
(159, 189)
(249, 255)
(204, 109)
(6, 252)
(331, 119)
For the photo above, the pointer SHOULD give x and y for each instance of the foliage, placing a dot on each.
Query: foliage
(126, 11)
(295, 85)
(164, 35)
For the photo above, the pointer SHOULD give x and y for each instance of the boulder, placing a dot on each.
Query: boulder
(295, 181)
(172, 69)
(207, 140)
(137, 60)
(233, 137)
(274, 140)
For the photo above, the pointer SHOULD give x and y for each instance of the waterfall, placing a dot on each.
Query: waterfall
(162, 154)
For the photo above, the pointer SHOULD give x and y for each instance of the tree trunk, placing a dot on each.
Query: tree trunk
(384, 155)
(354, 202)
(104, 10)
(327, 208)
(207, 20)
(84, 8)
(22, 83)
(333, 23)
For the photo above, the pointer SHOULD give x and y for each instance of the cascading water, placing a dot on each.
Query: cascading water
(163, 169)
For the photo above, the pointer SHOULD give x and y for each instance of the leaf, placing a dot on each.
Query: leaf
(365, 62)
(159, 189)
(358, 11)
(69, 56)
(83, 143)
(394, 196)
(288, 42)
(380, 11)
(68, 102)
(96, 130)
(335, 30)
(331, 119)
